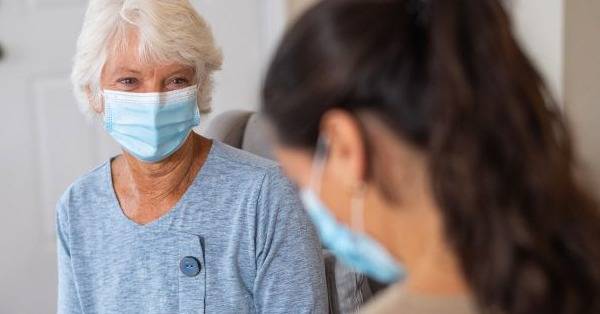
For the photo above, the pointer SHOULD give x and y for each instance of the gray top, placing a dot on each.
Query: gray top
(238, 241)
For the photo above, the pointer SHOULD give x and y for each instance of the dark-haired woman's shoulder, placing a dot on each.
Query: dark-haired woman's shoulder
(396, 300)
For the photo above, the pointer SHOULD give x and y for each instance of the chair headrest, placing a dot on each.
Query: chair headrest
(256, 139)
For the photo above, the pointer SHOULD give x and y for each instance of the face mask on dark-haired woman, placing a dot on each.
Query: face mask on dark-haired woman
(353, 248)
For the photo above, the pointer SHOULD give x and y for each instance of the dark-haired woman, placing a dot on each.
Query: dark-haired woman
(429, 153)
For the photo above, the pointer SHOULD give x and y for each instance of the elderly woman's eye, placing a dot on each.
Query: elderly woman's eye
(128, 81)
(179, 81)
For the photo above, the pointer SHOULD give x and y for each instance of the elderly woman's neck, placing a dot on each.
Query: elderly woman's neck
(169, 178)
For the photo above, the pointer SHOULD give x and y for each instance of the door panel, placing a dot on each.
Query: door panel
(46, 144)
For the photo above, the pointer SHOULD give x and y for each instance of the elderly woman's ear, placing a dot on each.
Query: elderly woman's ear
(96, 103)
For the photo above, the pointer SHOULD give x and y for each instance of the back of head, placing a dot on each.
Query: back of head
(448, 77)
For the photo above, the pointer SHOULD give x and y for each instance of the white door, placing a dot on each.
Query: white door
(46, 143)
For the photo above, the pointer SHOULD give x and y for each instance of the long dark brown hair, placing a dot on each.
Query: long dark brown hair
(449, 77)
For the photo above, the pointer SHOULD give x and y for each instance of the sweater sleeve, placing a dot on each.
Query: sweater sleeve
(290, 268)
(68, 301)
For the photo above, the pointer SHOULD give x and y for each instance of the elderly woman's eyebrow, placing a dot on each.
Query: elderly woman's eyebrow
(126, 69)
(182, 71)
(184, 68)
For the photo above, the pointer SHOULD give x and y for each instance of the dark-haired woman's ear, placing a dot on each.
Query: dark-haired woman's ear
(346, 162)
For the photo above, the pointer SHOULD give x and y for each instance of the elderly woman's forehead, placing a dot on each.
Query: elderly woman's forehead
(123, 63)
(126, 55)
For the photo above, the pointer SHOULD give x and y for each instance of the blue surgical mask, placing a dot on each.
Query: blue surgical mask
(151, 126)
(353, 248)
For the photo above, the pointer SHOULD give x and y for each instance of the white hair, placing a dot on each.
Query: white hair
(169, 31)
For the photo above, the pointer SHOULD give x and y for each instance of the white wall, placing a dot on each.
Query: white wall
(239, 30)
(540, 26)
(248, 31)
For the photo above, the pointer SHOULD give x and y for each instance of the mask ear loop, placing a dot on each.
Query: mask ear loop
(357, 215)
(358, 199)
(318, 166)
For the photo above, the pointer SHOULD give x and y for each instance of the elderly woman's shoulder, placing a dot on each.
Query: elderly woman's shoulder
(89, 186)
(237, 158)
(247, 166)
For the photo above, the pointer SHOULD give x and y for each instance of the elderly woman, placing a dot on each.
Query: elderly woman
(177, 223)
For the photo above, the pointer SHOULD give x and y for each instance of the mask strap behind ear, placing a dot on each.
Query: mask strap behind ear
(357, 214)
(318, 166)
